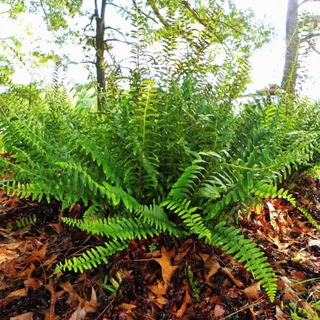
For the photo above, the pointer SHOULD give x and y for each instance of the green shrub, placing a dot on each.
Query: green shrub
(167, 155)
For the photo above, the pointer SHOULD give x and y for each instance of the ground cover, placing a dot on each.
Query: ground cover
(159, 277)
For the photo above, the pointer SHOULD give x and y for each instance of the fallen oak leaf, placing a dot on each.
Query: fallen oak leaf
(25, 316)
(167, 269)
(41, 254)
(233, 292)
(74, 299)
(79, 314)
(58, 226)
(3, 285)
(17, 294)
(159, 290)
(125, 306)
(91, 306)
(213, 265)
(186, 300)
(8, 251)
(179, 256)
(219, 311)
(51, 260)
(51, 314)
(237, 282)
(253, 292)
(32, 283)
(304, 201)
(204, 256)
(273, 215)
(279, 314)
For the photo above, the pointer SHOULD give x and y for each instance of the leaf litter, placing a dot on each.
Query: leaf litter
(160, 277)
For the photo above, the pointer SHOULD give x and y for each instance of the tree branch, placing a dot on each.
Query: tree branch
(103, 9)
(117, 40)
(203, 22)
(114, 29)
(305, 1)
(155, 10)
(312, 46)
(81, 62)
(96, 12)
(310, 36)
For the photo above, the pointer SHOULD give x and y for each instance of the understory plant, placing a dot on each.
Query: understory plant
(169, 154)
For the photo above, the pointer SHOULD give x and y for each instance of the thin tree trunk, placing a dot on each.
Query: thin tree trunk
(100, 67)
(290, 72)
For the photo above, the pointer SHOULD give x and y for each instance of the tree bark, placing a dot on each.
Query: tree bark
(290, 72)
(100, 67)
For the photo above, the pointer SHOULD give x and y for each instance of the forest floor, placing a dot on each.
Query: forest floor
(160, 277)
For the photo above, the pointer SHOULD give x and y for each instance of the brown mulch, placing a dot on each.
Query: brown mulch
(160, 277)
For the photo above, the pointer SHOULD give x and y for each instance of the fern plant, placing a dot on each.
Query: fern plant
(169, 153)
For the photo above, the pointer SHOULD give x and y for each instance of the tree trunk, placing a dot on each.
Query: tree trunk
(290, 72)
(100, 67)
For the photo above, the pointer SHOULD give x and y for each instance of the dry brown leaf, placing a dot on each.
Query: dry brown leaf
(275, 239)
(167, 269)
(204, 256)
(41, 254)
(233, 292)
(79, 314)
(306, 306)
(28, 271)
(237, 282)
(213, 265)
(3, 285)
(279, 314)
(253, 291)
(51, 260)
(215, 299)
(159, 290)
(32, 283)
(180, 255)
(218, 311)
(58, 226)
(17, 294)
(91, 306)
(94, 299)
(8, 251)
(186, 300)
(273, 215)
(256, 208)
(304, 201)
(127, 307)
(298, 275)
(291, 296)
(25, 316)
(74, 299)
(51, 315)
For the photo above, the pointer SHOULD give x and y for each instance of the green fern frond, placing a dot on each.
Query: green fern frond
(185, 186)
(154, 216)
(115, 194)
(245, 251)
(191, 218)
(264, 190)
(22, 222)
(117, 228)
(307, 214)
(92, 257)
